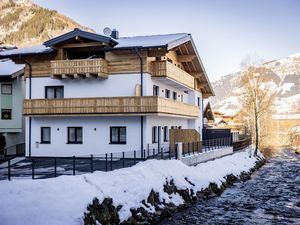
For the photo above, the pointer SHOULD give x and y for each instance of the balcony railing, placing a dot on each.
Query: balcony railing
(108, 106)
(169, 70)
(79, 68)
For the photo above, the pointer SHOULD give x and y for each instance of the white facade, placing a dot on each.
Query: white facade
(96, 129)
(13, 129)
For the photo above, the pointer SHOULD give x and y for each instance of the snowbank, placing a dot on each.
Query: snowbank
(63, 200)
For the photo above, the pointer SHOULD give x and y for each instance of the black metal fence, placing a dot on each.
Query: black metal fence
(241, 144)
(12, 151)
(47, 167)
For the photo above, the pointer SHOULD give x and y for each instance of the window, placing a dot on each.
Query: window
(117, 135)
(154, 135)
(166, 133)
(167, 93)
(54, 91)
(45, 135)
(6, 114)
(74, 135)
(155, 90)
(198, 101)
(6, 89)
(174, 95)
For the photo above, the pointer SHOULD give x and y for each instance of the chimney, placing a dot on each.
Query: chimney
(115, 34)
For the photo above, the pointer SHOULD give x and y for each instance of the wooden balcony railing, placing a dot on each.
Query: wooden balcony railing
(79, 68)
(108, 106)
(169, 70)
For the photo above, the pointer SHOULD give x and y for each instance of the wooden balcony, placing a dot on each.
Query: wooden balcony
(79, 68)
(170, 71)
(108, 106)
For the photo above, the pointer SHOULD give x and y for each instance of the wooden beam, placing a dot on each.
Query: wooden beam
(157, 52)
(206, 95)
(55, 76)
(83, 45)
(92, 76)
(185, 58)
(79, 76)
(196, 74)
(67, 76)
(103, 75)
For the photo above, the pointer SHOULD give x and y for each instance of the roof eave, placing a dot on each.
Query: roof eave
(19, 55)
(204, 71)
(84, 34)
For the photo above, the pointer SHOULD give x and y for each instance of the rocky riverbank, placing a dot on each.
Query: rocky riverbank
(155, 208)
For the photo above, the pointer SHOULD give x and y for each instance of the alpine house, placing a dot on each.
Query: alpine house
(92, 94)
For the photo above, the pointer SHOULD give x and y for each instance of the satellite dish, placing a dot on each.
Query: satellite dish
(107, 31)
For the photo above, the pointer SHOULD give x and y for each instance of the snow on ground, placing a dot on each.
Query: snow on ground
(63, 200)
(286, 87)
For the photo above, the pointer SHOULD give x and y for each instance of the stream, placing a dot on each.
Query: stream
(272, 196)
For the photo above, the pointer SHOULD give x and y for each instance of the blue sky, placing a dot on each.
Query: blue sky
(225, 31)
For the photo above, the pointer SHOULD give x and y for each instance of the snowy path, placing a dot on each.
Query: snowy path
(63, 200)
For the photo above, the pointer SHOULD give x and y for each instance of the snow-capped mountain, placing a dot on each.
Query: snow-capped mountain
(23, 23)
(284, 78)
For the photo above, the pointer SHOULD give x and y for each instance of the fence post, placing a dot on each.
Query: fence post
(144, 154)
(73, 165)
(32, 168)
(92, 166)
(134, 158)
(106, 159)
(193, 147)
(169, 152)
(161, 153)
(148, 149)
(176, 151)
(55, 169)
(123, 158)
(111, 161)
(8, 169)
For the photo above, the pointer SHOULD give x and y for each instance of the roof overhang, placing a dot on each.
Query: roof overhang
(76, 34)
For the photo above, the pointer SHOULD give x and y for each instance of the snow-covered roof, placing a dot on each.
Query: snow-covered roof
(39, 49)
(286, 116)
(82, 34)
(8, 69)
(168, 40)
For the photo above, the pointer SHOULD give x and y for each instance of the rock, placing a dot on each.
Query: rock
(165, 213)
(231, 179)
(245, 176)
(104, 213)
(140, 215)
(185, 194)
(170, 188)
(153, 199)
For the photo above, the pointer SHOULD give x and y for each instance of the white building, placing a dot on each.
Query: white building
(92, 94)
(12, 93)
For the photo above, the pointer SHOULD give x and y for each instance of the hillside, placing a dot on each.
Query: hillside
(285, 79)
(23, 23)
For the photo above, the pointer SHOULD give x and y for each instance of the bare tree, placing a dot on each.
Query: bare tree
(256, 99)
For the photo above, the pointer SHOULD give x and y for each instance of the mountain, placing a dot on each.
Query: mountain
(23, 23)
(284, 79)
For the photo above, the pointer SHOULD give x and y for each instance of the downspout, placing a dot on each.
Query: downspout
(202, 116)
(142, 117)
(30, 88)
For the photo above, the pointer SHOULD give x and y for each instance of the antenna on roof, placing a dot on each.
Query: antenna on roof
(107, 31)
